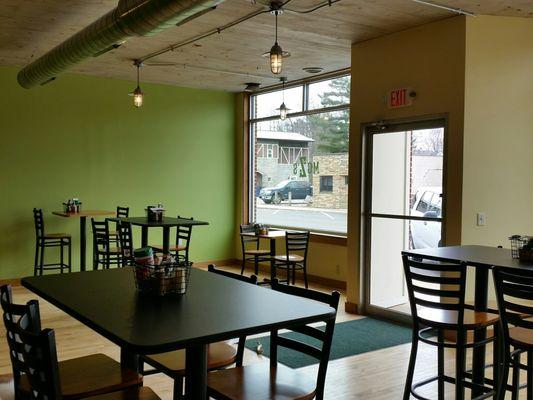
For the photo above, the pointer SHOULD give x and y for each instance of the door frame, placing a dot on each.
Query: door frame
(389, 126)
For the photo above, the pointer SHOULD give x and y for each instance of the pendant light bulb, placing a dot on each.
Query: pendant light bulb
(276, 53)
(276, 59)
(137, 94)
(283, 109)
(137, 97)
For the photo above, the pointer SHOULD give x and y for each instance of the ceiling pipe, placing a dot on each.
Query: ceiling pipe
(459, 11)
(130, 18)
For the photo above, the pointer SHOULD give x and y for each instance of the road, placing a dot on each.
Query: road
(334, 221)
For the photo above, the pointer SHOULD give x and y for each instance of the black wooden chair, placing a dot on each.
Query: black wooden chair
(514, 291)
(251, 250)
(295, 257)
(437, 298)
(125, 242)
(183, 240)
(274, 380)
(122, 212)
(103, 252)
(220, 354)
(45, 240)
(77, 378)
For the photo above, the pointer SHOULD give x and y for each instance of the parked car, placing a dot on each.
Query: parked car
(299, 191)
(427, 203)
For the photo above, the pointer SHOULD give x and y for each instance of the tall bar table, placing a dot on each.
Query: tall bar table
(82, 215)
(483, 259)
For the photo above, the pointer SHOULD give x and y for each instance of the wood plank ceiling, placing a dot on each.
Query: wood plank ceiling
(29, 28)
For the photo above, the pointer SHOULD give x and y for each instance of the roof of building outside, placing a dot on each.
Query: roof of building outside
(292, 136)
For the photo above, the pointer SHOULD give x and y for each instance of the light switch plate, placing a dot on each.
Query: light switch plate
(480, 219)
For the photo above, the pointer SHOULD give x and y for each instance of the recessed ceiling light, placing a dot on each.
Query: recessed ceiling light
(313, 70)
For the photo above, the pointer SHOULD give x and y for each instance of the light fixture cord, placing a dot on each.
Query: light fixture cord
(276, 27)
(138, 69)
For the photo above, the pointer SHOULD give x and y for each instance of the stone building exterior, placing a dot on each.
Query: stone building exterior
(330, 184)
(276, 154)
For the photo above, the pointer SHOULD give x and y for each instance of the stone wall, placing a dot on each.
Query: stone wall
(335, 165)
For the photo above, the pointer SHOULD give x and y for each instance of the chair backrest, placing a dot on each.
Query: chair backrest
(12, 313)
(436, 286)
(125, 237)
(324, 336)
(184, 233)
(38, 220)
(100, 234)
(514, 292)
(37, 355)
(243, 278)
(297, 242)
(248, 228)
(123, 212)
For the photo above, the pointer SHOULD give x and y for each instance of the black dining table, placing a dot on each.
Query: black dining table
(166, 223)
(483, 259)
(214, 308)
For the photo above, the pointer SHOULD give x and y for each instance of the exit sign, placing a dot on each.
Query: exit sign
(399, 98)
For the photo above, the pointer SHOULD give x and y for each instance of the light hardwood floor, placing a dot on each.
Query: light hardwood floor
(377, 375)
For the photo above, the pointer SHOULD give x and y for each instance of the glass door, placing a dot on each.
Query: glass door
(403, 206)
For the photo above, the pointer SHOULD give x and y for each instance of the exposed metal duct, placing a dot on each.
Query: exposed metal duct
(130, 18)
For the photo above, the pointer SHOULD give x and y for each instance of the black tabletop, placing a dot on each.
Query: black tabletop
(214, 308)
(478, 256)
(166, 222)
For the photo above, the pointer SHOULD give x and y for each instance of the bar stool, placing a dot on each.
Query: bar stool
(437, 297)
(44, 240)
(295, 257)
(122, 212)
(182, 244)
(252, 254)
(103, 253)
(514, 288)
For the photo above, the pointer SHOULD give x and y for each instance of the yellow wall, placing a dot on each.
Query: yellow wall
(498, 136)
(430, 59)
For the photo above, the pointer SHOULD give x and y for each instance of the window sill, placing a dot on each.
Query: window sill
(326, 238)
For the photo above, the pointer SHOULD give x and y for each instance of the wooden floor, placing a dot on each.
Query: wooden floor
(377, 375)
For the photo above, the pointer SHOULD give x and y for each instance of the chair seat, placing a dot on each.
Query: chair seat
(57, 236)
(257, 252)
(138, 393)
(89, 376)
(446, 318)
(259, 382)
(171, 248)
(220, 355)
(292, 258)
(522, 337)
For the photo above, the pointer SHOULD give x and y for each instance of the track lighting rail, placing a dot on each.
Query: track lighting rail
(222, 28)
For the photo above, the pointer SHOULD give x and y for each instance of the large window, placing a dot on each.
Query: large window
(299, 165)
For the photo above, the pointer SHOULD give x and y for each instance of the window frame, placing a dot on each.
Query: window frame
(319, 235)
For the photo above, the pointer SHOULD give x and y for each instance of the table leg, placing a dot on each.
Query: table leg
(480, 304)
(144, 236)
(166, 239)
(272, 261)
(196, 366)
(83, 243)
(129, 360)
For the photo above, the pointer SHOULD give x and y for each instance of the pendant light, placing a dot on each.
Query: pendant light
(276, 53)
(137, 93)
(283, 109)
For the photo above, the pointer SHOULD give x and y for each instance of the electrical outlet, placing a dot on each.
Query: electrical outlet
(480, 219)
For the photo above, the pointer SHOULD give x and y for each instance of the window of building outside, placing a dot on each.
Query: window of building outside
(326, 183)
(299, 166)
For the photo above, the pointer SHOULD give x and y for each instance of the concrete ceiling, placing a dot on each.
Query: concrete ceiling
(29, 28)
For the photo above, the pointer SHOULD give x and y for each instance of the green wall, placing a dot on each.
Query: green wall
(81, 137)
